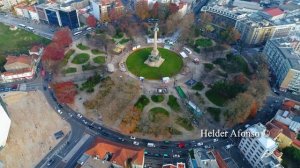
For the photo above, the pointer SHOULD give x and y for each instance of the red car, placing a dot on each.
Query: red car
(181, 145)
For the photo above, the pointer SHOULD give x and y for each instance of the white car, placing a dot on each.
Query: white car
(247, 125)
(85, 122)
(228, 146)
(79, 115)
(132, 137)
(176, 156)
(215, 140)
(59, 111)
(136, 143)
(199, 143)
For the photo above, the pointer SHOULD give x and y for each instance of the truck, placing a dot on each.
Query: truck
(151, 145)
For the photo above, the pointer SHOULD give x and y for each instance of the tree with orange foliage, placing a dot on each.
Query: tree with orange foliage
(54, 52)
(154, 10)
(142, 10)
(91, 21)
(131, 120)
(63, 37)
(65, 92)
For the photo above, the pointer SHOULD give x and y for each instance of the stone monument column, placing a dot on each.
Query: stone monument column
(155, 50)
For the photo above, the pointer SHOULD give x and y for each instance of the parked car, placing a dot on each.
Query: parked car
(199, 143)
(215, 140)
(59, 111)
(136, 143)
(132, 137)
(79, 115)
(49, 163)
(228, 146)
(176, 156)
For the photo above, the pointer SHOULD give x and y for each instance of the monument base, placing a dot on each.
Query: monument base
(156, 63)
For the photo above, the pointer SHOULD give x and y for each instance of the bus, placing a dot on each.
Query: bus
(77, 33)
(21, 25)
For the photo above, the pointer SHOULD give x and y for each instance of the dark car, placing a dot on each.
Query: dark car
(50, 162)
(163, 147)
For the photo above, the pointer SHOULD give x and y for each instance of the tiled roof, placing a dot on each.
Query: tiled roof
(31, 8)
(273, 11)
(35, 48)
(273, 130)
(25, 59)
(119, 152)
(219, 159)
(277, 153)
(296, 142)
(17, 72)
(285, 129)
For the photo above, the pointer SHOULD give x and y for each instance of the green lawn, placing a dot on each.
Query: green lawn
(67, 57)
(82, 47)
(172, 102)
(170, 67)
(99, 60)
(142, 102)
(88, 66)
(157, 98)
(18, 41)
(80, 58)
(214, 112)
(124, 40)
(157, 113)
(203, 42)
(185, 123)
(70, 70)
(97, 52)
(198, 86)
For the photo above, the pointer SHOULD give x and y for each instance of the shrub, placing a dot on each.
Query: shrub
(172, 102)
(157, 98)
(142, 102)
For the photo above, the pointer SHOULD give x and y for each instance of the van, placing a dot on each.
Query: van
(151, 145)
(187, 50)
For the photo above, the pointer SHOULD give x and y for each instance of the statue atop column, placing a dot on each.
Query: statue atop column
(154, 58)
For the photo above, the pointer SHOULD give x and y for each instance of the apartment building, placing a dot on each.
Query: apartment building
(5, 123)
(8, 4)
(101, 9)
(283, 58)
(259, 151)
(63, 15)
(203, 158)
(255, 26)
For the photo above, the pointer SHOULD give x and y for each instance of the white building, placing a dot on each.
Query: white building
(259, 150)
(4, 126)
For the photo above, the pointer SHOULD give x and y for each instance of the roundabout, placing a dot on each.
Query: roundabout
(171, 66)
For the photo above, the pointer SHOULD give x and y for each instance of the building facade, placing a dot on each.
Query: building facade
(58, 15)
(284, 61)
(5, 123)
(102, 10)
(259, 151)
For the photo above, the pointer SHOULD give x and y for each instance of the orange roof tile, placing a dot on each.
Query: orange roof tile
(274, 11)
(277, 153)
(296, 142)
(17, 72)
(35, 48)
(22, 58)
(31, 8)
(120, 152)
(219, 159)
(285, 129)
(273, 130)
